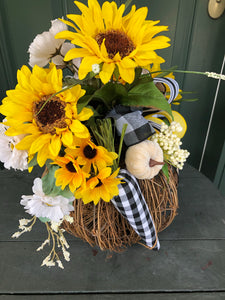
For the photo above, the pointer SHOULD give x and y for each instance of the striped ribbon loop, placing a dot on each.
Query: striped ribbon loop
(172, 84)
(174, 91)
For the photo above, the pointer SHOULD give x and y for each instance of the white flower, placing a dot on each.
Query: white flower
(60, 265)
(96, 68)
(66, 254)
(55, 225)
(17, 234)
(47, 241)
(9, 155)
(45, 47)
(69, 219)
(41, 205)
(24, 222)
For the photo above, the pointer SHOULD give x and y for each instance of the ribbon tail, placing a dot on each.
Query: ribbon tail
(131, 204)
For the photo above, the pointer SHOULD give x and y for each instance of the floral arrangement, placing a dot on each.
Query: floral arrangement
(95, 111)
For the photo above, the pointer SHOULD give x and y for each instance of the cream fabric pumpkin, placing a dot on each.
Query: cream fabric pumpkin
(144, 160)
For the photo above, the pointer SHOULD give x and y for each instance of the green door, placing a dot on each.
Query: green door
(197, 44)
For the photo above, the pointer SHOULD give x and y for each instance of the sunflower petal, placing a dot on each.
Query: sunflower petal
(39, 142)
(67, 138)
(85, 114)
(55, 145)
(66, 34)
(106, 72)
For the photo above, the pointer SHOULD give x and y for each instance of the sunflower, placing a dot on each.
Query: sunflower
(118, 43)
(103, 186)
(70, 173)
(47, 122)
(88, 154)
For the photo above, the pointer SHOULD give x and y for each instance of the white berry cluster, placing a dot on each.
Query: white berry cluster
(215, 75)
(170, 144)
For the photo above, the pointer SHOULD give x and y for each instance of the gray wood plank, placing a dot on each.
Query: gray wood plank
(201, 207)
(179, 266)
(172, 296)
(14, 184)
(200, 213)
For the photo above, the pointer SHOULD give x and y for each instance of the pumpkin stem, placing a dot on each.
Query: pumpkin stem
(153, 163)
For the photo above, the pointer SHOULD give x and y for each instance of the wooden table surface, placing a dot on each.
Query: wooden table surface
(189, 265)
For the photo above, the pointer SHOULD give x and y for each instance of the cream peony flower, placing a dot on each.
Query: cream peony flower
(41, 205)
(9, 155)
(46, 48)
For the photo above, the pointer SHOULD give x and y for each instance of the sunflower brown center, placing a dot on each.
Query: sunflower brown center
(49, 115)
(89, 152)
(70, 167)
(115, 41)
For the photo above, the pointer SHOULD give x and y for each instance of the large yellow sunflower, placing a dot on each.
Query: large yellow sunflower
(103, 186)
(46, 127)
(88, 154)
(105, 36)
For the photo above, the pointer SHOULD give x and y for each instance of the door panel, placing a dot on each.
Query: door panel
(197, 43)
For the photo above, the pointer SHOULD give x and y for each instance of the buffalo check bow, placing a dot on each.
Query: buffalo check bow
(138, 128)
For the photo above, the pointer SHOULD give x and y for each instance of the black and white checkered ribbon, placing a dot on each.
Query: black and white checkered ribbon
(138, 128)
(131, 204)
(172, 84)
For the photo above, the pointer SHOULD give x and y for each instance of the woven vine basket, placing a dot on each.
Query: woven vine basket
(102, 225)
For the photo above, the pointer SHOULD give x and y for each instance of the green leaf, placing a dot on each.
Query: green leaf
(109, 93)
(48, 181)
(185, 100)
(128, 3)
(145, 78)
(66, 193)
(33, 161)
(116, 73)
(146, 95)
(70, 81)
(44, 220)
(96, 113)
(165, 171)
(186, 93)
(121, 143)
(49, 187)
(83, 102)
(166, 72)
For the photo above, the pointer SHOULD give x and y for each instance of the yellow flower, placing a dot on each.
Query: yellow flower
(89, 154)
(46, 124)
(103, 186)
(70, 173)
(105, 36)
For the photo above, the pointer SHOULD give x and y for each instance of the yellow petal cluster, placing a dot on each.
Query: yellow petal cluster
(47, 120)
(86, 169)
(103, 186)
(104, 36)
(88, 154)
(70, 173)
